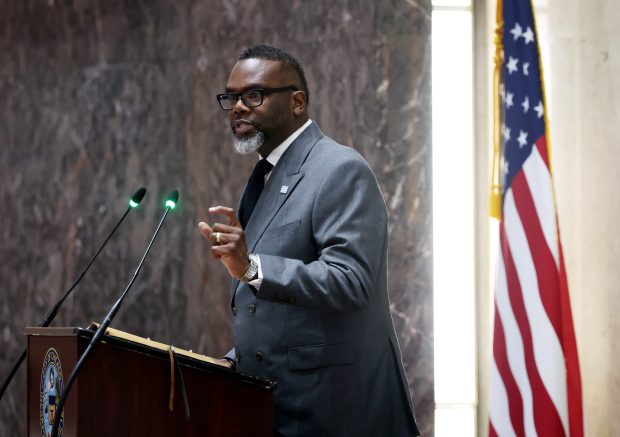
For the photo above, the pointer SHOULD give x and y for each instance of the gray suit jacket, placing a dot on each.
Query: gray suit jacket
(320, 323)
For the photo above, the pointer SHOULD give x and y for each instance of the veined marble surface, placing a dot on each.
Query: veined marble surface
(102, 97)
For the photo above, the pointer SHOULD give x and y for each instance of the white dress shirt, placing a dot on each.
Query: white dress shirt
(273, 159)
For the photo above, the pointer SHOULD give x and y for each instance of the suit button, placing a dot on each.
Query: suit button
(259, 356)
(252, 308)
(234, 311)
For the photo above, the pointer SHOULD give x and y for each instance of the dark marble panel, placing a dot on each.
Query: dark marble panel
(101, 97)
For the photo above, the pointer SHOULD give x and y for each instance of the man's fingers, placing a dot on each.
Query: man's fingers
(227, 241)
(220, 238)
(205, 229)
(228, 212)
(224, 210)
(226, 229)
(222, 250)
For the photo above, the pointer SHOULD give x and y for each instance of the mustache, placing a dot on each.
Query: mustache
(244, 120)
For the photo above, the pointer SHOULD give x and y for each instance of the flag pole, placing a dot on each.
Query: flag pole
(495, 196)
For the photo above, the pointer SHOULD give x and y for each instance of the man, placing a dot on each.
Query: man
(308, 258)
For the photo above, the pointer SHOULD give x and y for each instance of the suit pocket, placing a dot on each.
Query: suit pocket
(280, 231)
(321, 355)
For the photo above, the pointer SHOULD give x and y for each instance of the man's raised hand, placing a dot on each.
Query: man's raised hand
(227, 241)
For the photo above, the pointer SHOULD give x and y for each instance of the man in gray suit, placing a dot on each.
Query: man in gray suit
(308, 258)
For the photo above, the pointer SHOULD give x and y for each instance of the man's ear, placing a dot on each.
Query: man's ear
(299, 102)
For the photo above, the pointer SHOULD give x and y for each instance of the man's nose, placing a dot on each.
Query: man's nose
(240, 106)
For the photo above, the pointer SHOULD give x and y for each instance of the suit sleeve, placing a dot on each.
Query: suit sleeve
(349, 225)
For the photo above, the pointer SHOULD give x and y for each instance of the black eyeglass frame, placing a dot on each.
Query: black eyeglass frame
(263, 92)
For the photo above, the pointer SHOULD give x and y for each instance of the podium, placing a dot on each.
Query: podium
(124, 389)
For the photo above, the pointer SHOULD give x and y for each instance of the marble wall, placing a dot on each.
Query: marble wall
(102, 97)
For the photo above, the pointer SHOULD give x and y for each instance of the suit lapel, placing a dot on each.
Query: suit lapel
(287, 173)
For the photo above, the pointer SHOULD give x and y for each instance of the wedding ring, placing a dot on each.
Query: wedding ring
(217, 238)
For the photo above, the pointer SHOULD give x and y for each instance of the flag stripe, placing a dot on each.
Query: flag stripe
(548, 352)
(543, 264)
(545, 415)
(500, 410)
(537, 175)
(507, 405)
(573, 377)
(541, 146)
(548, 282)
(514, 350)
(493, 433)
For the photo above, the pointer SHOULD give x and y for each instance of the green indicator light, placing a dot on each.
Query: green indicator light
(133, 204)
(170, 204)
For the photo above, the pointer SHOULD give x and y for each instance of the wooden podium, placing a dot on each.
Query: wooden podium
(124, 388)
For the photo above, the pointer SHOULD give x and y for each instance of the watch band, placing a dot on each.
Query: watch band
(252, 271)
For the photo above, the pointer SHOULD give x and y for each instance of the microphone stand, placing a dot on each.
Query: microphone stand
(136, 199)
(107, 320)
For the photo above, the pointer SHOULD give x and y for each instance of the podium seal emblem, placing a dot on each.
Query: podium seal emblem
(50, 390)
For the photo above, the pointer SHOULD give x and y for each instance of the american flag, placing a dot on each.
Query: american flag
(535, 381)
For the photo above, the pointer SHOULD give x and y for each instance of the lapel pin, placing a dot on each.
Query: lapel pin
(284, 189)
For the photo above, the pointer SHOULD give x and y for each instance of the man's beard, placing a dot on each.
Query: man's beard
(278, 118)
(249, 144)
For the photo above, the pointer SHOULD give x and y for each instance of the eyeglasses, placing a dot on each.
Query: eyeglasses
(250, 98)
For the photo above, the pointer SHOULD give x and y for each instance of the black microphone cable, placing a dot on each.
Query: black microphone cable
(133, 202)
(170, 204)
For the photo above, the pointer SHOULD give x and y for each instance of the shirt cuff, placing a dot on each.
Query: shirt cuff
(256, 282)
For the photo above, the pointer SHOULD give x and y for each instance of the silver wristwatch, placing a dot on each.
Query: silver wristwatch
(252, 271)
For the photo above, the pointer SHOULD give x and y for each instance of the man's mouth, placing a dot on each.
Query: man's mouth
(242, 128)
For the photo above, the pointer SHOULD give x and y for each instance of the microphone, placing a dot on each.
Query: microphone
(133, 202)
(170, 204)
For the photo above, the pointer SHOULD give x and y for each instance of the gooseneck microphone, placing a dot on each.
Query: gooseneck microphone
(170, 204)
(133, 202)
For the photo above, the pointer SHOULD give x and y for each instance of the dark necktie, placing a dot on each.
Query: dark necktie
(253, 190)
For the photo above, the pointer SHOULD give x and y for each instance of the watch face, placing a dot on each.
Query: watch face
(252, 271)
